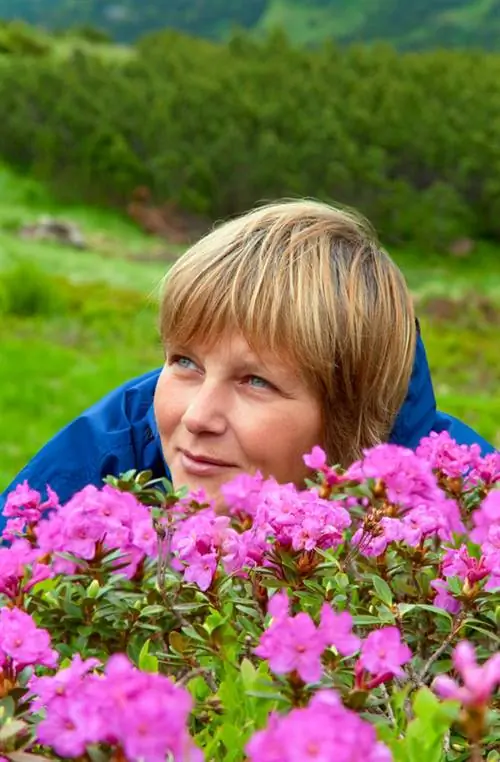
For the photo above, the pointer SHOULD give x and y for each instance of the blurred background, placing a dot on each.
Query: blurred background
(127, 128)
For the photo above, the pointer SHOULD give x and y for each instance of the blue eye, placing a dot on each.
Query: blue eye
(258, 383)
(182, 361)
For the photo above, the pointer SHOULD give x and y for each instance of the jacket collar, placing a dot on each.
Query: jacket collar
(418, 412)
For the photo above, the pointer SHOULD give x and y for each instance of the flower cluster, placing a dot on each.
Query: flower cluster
(324, 730)
(21, 568)
(486, 472)
(24, 508)
(95, 521)
(301, 625)
(409, 505)
(143, 714)
(295, 644)
(279, 515)
(198, 543)
(382, 656)
(291, 519)
(22, 644)
(479, 682)
(447, 457)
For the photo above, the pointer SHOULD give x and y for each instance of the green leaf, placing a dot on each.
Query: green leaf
(93, 589)
(365, 619)
(405, 608)
(10, 730)
(146, 661)
(7, 708)
(248, 673)
(178, 643)
(474, 625)
(342, 580)
(23, 756)
(153, 610)
(382, 589)
(425, 704)
(213, 621)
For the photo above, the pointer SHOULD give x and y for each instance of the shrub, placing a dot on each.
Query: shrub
(27, 291)
(340, 622)
(230, 125)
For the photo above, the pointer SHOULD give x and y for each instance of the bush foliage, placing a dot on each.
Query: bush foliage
(410, 139)
(353, 621)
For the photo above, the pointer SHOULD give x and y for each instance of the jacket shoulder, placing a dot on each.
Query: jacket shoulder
(105, 439)
(460, 432)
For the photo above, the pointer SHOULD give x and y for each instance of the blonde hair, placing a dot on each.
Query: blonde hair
(309, 282)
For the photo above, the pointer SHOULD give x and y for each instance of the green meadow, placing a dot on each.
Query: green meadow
(76, 323)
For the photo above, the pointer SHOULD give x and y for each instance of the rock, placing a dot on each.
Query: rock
(52, 229)
(462, 247)
(166, 221)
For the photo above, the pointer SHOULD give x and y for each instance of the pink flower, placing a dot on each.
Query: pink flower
(22, 642)
(486, 518)
(336, 630)
(202, 570)
(445, 455)
(297, 519)
(65, 682)
(382, 655)
(197, 543)
(26, 503)
(71, 723)
(98, 518)
(479, 682)
(316, 459)
(146, 714)
(418, 507)
(242, 493)
(19, 569)
(408, 479)
(487, 471)
(144, 537)
(295, 644)
(14, 529)
(444, 599)
(459, 563)
(324, 731)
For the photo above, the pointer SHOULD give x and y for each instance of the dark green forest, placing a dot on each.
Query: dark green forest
(409, 138)
(414, 24)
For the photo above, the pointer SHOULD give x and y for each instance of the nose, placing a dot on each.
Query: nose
(207, 410)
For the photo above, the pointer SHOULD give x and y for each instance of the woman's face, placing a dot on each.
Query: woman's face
(223, 411)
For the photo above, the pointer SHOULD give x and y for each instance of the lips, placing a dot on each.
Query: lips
(206, 459)
(203, 465)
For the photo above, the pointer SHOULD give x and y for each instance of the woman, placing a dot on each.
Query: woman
(282, 329)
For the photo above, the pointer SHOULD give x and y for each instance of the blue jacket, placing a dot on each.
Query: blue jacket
(119, 433)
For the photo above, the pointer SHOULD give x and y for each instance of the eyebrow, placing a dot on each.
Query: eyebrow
(253, 365)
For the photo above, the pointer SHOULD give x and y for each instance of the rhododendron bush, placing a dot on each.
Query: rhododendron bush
(356, 620)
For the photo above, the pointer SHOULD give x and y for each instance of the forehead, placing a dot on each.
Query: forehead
(233, 349)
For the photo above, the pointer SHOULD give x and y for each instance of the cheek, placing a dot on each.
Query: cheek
(279, 443)
(168, 405)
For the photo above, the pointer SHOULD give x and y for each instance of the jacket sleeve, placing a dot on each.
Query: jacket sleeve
(101, 441)
(460, 432)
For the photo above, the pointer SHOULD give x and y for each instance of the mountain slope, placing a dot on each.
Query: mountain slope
(415, 24)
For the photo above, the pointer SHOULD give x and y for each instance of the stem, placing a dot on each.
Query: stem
(199, 671)
(444, 645)
(387, 698)
(476, 755)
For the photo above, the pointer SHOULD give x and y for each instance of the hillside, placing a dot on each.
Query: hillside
(408, 25)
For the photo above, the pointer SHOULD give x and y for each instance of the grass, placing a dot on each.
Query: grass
(75, 324)
(307, 24)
